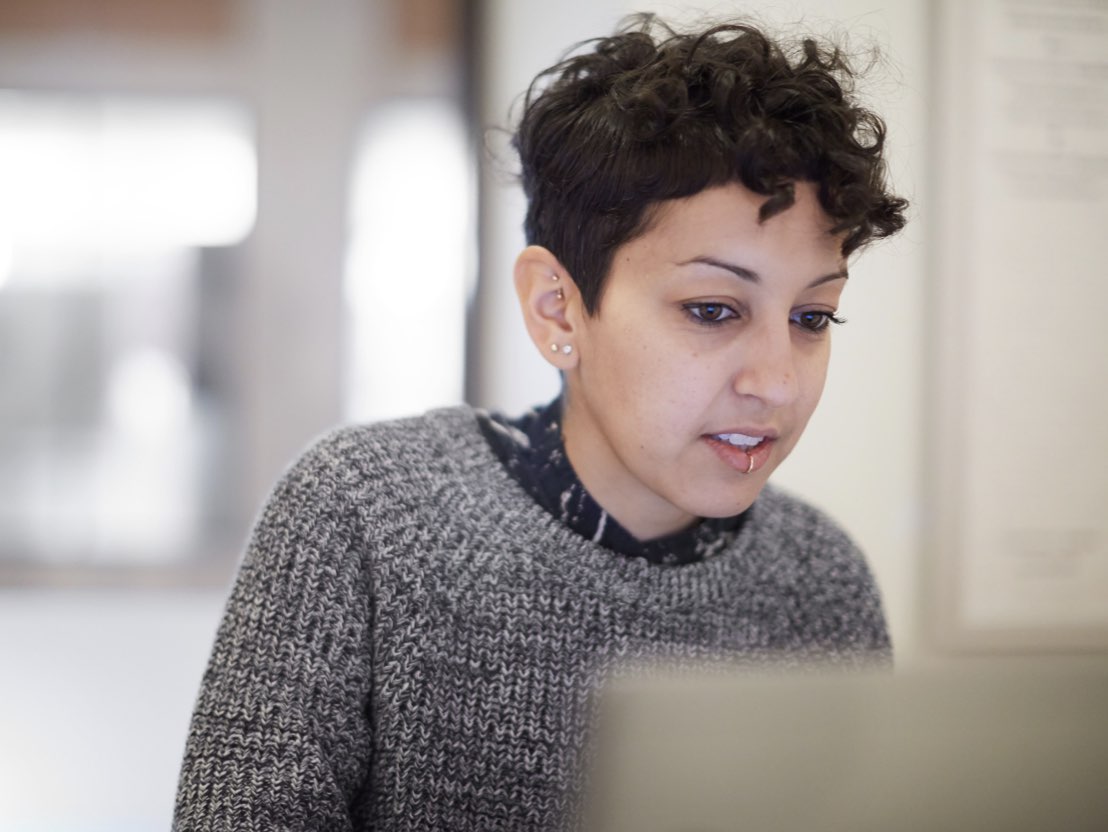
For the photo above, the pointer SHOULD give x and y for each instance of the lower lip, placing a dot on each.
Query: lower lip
(739, 459)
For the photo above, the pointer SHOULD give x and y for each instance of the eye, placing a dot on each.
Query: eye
(710, 313)
(815, 320)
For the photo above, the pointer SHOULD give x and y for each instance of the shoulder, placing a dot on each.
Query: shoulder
(355, 483)
(820, 572)
(801, 529)
(359, 466)
(444, 430)
(410, 446)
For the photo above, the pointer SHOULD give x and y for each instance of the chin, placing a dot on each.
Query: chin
(737, 504)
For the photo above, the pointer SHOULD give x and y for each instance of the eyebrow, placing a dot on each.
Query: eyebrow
(752, 276)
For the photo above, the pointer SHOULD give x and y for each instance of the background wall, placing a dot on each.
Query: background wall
(97, 685)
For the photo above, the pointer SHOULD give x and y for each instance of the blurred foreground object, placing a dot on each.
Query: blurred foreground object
(1007, 746)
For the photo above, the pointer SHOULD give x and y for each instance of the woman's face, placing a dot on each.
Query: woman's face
(706, 357)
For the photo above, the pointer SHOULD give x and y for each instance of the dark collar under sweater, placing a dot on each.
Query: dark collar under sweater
(532, 450)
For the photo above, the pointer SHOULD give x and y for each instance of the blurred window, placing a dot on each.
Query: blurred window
(119, 218)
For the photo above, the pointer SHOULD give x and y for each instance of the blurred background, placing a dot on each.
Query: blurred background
(229, 225)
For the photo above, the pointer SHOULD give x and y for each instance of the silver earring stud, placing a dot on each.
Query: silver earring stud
(561, 295)
(553, 347)
(567, 349)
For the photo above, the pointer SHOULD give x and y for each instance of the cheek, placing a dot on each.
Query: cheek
(813, 376)
(675, 395)
(630, 359)
(656, 388)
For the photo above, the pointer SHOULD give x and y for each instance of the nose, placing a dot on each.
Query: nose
(767, 364)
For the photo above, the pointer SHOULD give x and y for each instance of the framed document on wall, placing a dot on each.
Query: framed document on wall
(1019, 450)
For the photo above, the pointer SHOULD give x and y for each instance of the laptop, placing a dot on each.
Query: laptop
(1006, 746)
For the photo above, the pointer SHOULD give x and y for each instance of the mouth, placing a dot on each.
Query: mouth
(745, 452)
(739, 440)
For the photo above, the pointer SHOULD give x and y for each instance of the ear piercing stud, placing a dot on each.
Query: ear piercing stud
(567, 349)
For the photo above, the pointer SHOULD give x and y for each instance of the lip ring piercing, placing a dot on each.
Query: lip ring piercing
(750, 467)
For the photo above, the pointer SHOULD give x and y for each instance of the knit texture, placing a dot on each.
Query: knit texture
(412, 641)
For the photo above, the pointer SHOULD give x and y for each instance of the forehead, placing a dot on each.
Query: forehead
(724, 222)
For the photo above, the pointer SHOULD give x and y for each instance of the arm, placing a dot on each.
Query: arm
(280, 738)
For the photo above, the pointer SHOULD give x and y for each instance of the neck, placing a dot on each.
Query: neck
(643, 513)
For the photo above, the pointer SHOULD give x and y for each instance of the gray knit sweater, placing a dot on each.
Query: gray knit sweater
(412, 642)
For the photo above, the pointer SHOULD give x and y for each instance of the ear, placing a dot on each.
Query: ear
(549, 300)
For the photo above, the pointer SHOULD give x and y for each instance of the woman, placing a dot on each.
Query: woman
(427, 605)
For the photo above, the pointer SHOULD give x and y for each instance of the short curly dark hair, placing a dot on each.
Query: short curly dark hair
(650, 114)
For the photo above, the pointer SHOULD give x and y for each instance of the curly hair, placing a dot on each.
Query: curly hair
(649, 114)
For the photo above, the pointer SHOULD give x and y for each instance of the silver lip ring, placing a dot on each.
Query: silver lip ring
(750, 467)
